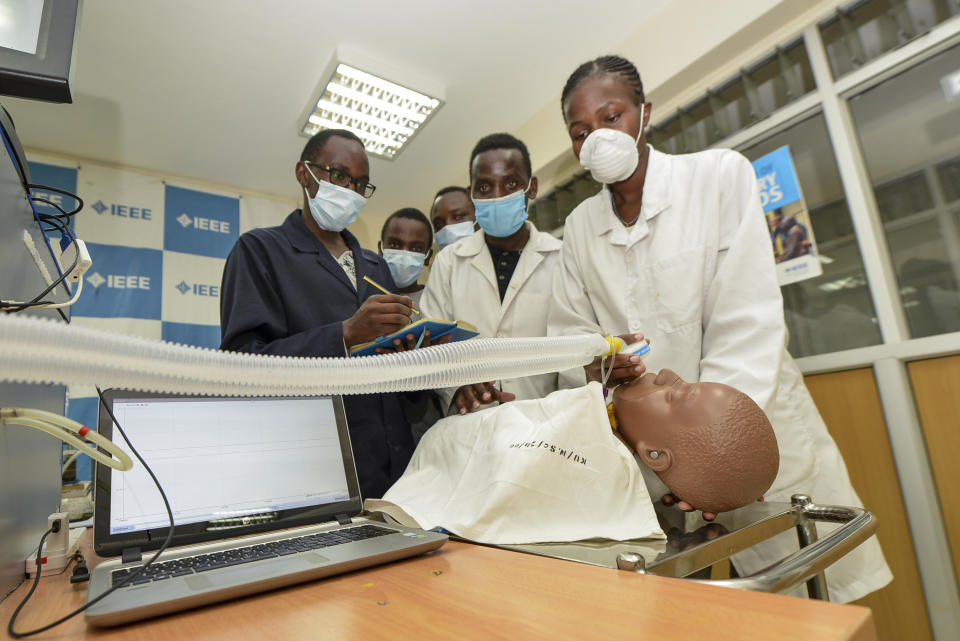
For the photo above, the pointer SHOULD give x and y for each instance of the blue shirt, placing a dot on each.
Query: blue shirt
(284, 293)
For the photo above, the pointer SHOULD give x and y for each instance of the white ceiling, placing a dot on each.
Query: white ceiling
(215, 90)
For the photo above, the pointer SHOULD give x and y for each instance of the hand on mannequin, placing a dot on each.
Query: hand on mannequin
(411, 343)
(670, 499)
(378, 315)
(470, 397)
(626, 367)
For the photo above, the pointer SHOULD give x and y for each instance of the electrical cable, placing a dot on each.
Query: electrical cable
(36, 216)
(32, 186)
(36, 578)
(80, 571)
(76, 297)
(46, 238)
(12, 306)
(127, 579)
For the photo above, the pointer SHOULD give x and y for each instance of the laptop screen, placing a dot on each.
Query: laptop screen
(224, 463)
(224, 458)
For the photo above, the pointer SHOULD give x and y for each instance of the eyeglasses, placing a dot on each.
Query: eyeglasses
(343, 179)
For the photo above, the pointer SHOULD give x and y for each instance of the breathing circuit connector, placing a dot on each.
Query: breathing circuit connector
(617, 346)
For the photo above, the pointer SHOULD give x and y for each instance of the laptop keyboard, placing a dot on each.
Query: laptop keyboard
(236, 556)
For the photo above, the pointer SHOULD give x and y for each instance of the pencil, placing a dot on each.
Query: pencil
(384, 290)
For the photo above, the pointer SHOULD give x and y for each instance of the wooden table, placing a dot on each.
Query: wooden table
(465, 591)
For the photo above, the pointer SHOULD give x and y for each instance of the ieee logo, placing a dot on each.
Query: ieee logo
(196, 222)
(119, 281)
(198, 289)
(123, 211)
(96, 279)
(206, 224)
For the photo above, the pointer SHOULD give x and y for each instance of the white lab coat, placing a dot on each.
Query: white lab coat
(463, 286)
(695, 274)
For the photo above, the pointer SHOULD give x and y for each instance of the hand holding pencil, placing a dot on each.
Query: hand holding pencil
(379, 315)
(389, 293)
(412, 342)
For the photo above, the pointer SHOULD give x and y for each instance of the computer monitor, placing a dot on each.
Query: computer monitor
(37, 41)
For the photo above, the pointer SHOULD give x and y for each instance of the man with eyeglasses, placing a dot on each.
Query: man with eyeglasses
(298, 289)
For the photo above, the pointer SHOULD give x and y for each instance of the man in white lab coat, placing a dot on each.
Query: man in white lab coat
(677, 247)
(499, 278)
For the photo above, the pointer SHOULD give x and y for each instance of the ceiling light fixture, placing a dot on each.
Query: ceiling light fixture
(383, 114)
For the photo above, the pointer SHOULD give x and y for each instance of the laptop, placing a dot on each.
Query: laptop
(264, 494)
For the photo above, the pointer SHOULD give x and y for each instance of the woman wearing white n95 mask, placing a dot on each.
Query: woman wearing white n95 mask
(676, 247)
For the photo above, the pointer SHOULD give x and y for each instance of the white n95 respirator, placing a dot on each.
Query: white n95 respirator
(611, 155)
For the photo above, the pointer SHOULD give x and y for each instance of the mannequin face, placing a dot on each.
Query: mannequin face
(652, 408)
(709, 443)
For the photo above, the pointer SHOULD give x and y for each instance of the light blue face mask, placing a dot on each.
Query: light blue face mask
(452, 233)
(334, 207)
(504, 216)
(405, 266)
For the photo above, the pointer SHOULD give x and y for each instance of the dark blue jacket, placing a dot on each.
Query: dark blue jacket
(283, 293)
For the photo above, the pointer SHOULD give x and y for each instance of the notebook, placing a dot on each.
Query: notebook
(264, 494)
(458, 331)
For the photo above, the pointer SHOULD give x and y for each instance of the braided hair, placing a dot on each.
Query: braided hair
(603, 66)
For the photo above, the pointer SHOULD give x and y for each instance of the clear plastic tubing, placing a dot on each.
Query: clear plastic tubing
(36, 350)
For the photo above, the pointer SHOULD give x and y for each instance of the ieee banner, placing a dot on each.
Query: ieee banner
(123, 282)
(191, 289)
(158, 252)
(122, 208)
(200, 223)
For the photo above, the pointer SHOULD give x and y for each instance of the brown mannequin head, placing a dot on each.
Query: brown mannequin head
(709, 443)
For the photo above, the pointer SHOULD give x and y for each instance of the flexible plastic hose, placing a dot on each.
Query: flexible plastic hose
(36, 350)
(63, 428)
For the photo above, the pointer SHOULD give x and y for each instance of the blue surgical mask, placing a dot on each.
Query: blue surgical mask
(452, 233)
(504, 216)
(334, 207)
(405, 266)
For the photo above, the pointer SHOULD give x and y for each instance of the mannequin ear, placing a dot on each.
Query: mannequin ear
(657, 459)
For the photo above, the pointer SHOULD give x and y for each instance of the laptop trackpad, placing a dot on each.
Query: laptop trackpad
(238, 575)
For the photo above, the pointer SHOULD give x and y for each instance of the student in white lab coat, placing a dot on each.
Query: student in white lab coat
(677, 247)
(500, 277)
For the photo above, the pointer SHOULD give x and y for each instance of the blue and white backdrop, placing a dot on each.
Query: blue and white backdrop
(158, 247)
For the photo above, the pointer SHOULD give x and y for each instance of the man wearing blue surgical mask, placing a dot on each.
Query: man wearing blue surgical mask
(498, 278)
(406, 244)
(453, 216)
(298, 289)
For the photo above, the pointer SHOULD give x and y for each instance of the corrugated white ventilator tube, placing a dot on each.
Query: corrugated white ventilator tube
(36, 350)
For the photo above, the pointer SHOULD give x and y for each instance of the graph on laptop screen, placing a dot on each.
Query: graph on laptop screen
(224, 458)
